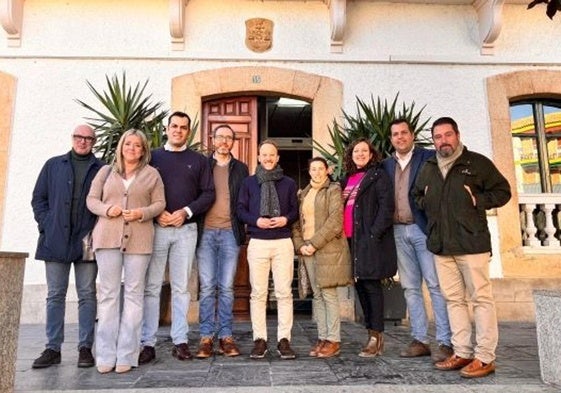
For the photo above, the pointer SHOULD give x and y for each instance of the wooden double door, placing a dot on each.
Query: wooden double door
(240, 113)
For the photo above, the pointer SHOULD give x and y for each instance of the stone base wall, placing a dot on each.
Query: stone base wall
(33, 305)
(513, 297)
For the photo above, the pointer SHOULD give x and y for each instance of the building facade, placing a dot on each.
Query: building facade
(227, 60)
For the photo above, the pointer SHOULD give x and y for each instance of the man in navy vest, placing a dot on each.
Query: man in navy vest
(415, 262)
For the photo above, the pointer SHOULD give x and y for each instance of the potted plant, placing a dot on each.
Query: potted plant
(552, 6)
(372, 121)
(122, 108)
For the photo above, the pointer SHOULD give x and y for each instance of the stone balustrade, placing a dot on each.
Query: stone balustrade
(539, 221)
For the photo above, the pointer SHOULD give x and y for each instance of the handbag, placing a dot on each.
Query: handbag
(304, 287)
(88, 254)
(87, 248)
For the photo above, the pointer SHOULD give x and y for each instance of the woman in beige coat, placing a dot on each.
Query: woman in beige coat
(318, 237)
(126, 197)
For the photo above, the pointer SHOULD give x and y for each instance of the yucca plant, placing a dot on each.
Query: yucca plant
(552, 6)
(372, 121)
(123, 108)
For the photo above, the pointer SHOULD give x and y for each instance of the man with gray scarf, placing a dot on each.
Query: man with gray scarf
(267, 203)
(455, 188)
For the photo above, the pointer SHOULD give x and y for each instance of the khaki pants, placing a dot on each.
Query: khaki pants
(464, 279)
(263, 256)
(326, 306)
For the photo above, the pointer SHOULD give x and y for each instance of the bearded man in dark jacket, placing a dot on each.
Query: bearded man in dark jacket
(455, 188)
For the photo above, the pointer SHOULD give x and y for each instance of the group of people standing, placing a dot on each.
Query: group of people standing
(420, 212)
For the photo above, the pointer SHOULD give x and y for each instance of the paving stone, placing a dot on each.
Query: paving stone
(517, 362)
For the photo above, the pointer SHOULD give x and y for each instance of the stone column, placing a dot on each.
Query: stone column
(12, 267)
(548, 320)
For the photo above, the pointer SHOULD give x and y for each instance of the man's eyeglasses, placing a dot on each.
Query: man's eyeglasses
(222, 138)
(81, 138)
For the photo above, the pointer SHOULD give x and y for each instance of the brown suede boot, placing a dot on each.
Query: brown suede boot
(374, 345)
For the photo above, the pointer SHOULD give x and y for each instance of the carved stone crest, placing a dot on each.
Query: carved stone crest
(259, 34)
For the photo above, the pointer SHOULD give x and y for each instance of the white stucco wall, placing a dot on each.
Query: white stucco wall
(428, 53)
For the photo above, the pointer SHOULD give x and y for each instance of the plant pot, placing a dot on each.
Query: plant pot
(395, 308)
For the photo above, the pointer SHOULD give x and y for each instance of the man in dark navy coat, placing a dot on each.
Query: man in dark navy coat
(59, 207)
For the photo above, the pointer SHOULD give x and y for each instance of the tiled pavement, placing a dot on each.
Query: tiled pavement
(517, 360)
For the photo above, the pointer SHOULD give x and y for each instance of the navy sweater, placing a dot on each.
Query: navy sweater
(249, 202)
(187, 180)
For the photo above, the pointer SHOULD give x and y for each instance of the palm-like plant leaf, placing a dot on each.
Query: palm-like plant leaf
(372, 121)
(122, 108)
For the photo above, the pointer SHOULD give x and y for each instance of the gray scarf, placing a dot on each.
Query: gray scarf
(445, 163)
(270, 206)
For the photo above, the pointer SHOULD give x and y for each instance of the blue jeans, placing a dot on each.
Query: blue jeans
(415, 263)
(175, 246)
(57, 285)
(217, 257)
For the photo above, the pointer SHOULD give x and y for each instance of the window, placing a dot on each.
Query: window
(536, 141)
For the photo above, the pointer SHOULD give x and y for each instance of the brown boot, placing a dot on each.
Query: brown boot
(315, 349)
(374, 346)
(329, 349)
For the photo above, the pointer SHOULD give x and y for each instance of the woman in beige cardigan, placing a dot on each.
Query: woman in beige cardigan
(126, 197)
(318, 237)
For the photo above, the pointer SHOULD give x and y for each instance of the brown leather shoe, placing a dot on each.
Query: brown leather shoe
(414, 349)
(329, 349)
(454, 362)
(441, 353)
(374, 346)
(315, 349)
(147, 354)
(206, 348)
(259, 349)
(477, 369)
(284, 350)
(227, 347)
(181, 352)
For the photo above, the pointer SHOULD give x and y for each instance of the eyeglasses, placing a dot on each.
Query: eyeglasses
(222, 138)
(81, 138)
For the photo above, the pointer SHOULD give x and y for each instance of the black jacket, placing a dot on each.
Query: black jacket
(455, 225)
(373, 246)
(52, 202)
(237, 171)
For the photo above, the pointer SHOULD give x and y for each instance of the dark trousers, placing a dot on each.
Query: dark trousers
(371, 299)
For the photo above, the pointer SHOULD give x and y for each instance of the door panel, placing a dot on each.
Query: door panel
(240, 113)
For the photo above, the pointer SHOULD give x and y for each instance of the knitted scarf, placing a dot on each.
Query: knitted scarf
(445, 163)
(270, 205)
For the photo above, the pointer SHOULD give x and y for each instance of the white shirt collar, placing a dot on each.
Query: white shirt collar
(169, 147)
(404, 159)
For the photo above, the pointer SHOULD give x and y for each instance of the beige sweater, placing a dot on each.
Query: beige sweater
(145, 192)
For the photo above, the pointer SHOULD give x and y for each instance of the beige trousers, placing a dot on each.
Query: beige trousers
(464, 280)
(264, 256)
(325, 305)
